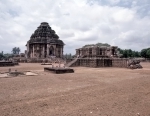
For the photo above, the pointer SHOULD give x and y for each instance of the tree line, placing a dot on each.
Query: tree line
(15, 51)
(128, 53)
(5, 56)
(145, 53)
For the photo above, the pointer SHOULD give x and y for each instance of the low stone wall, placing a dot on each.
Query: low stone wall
(101, 62)
(8, 63)
(120, 62)
(46, 60)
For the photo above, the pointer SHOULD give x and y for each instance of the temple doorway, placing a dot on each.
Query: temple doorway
(79, 53)
(113, 51)
(51, 51)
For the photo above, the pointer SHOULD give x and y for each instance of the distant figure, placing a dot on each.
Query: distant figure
(9, 70)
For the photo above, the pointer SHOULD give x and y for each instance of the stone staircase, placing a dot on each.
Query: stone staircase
(71, 63)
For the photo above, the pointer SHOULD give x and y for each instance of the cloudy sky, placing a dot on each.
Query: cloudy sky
(124, 23)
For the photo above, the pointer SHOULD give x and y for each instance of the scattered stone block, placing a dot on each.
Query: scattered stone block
(58, 70)
(30, 74)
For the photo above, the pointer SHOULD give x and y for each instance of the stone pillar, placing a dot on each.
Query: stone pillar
(81, 52)
(56, 51)
(33, 51)
(28, 50)
(38, 49)
(30, 54)
(54, 46)
(47, 50)
(94, 51)
(103, 51)
(111, 51)
(87, 51)
(43, 54)
(61, 52)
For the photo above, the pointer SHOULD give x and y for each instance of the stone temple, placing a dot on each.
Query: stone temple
(44, 43)
(97, 50)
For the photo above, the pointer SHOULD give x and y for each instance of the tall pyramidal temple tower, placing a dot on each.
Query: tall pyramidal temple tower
(44, 43)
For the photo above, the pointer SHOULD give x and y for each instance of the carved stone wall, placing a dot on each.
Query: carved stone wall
(95, 51)
(101, 62)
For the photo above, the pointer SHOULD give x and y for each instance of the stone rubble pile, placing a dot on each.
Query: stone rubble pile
(134, 64)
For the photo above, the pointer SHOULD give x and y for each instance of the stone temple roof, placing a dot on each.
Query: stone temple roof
(44, 34)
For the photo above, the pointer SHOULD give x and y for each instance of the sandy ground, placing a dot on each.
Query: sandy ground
(87, 92)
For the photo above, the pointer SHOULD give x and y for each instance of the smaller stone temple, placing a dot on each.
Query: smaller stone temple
(102, 51)
(44, 43)
(98, 55)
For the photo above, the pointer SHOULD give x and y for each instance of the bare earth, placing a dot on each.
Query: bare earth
(87, 92)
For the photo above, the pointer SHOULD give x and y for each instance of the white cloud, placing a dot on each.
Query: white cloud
(123, 15)
(76, 22)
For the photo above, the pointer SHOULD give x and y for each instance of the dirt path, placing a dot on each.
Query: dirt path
(87, 92)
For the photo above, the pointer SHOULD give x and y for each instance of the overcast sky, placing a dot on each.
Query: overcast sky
(124, 23)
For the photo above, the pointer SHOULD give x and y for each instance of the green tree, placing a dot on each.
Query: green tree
(148, 53)
(129, 53)
(125, 53)
(1, 56)
(15, 50)
(137, 54)
(7, 56)
(143, 53)
(18, 50)
(133, 54)
(120, 50)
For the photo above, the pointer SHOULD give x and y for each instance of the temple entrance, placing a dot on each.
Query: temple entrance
(51, 51)
(90, 52)
(100, 52)
(113, 51)
(107, 63)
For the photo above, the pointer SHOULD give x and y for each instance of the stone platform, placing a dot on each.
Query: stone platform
(7, 63)
(46, 64)
(59, 70)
